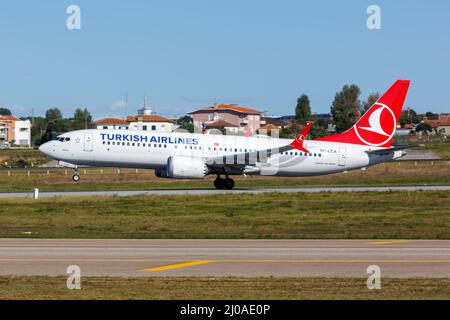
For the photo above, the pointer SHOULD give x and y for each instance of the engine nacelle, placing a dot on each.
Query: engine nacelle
(179, 167)
(161, 173)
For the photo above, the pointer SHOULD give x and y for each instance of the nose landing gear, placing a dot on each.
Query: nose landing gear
(226, 183)
(76, 177)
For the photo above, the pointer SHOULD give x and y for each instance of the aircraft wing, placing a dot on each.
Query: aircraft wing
(261, 156)
(388, 150)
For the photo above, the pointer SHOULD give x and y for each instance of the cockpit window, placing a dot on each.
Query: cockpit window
(67, 139)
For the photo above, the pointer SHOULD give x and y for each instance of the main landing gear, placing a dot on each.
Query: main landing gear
(226, 183)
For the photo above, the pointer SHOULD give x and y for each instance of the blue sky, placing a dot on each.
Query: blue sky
(187, 54)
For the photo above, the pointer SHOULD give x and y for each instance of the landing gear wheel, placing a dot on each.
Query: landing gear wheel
(76, 177)
(219, 183)
(229, 183)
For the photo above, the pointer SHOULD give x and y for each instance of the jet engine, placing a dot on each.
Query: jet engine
(179, 167)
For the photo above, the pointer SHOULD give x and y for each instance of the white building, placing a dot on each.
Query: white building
(110, 123)
(145, 120)
(14, 131)
(151, 122)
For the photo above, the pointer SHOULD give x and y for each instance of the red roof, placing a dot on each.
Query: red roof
(219, 124)
(106, 121)
(8, 118)
(269, 126)
(225, 107)
(149, 118)
(444, 121)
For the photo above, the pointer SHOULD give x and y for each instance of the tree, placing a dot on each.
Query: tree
(303, 110)
(38, 129)
(52, 115)
(371, 99)
(319, 128)
(423, 127)
(81, 119)
(55, 124)
(345, 107)
(408, 116)
(432, 116)
(185, 123)
(5, 112)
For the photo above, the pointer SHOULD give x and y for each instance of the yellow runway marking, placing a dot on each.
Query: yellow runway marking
(390, 242)
(179, 265)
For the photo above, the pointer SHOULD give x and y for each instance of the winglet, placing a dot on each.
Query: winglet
(298, 142)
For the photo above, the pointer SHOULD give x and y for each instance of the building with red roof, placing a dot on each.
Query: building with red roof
(440, 125)
(231, 116)
(145, 120)
(14, 132)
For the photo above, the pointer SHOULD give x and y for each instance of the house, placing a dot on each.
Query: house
(151, 122)
(440, 125)
(274, 121)
(145, 120)
(227, 116)
(110, 123)
(14, 132)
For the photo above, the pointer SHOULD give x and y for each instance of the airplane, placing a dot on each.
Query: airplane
(180, 155)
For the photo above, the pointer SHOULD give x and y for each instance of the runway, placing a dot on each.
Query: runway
(171, 192)
(218, 258)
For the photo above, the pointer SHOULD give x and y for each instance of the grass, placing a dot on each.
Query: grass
(398, 173)
(441, 148)
(44, 287)
(371, 215)
(19, 158)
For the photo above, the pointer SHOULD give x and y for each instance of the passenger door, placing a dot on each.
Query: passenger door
(342, 156)
(88, 144)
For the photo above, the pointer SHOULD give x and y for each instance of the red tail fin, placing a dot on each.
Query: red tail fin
(376, 127)
(298, 141)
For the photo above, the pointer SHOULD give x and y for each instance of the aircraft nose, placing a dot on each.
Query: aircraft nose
(45, 148)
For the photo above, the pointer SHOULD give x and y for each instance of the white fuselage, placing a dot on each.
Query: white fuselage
(151, 150)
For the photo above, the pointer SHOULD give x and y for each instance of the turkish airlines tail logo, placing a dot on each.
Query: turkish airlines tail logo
(375, 123)
(377, 126)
